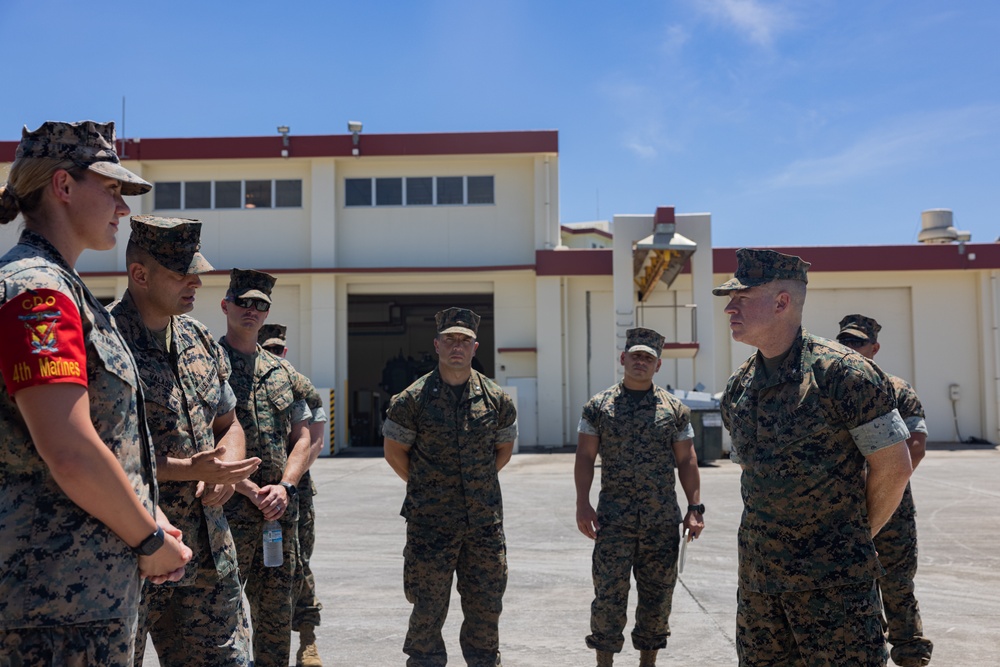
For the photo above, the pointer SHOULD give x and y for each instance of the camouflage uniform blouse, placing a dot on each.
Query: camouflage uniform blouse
(453, 472)
(185, 391)
(265, 393)
(802, 435)
(912, 413)
(60, 565)
(637, 455)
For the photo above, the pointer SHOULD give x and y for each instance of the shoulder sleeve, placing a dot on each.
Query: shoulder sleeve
(507, 418)
(43, 340)
(590, 418)
(864, 402)
(685, 429)
(401, 419)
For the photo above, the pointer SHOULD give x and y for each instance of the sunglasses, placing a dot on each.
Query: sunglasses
(853, 343)
(258, 304)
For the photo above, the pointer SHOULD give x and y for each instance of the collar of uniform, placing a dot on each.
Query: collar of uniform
(139, 333)
(36, 240)
(473, 388)
(623, 393)
(790, 369)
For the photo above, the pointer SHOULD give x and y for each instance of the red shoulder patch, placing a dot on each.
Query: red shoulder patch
(43, 340)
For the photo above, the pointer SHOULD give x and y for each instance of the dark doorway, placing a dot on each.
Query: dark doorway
(390, 344)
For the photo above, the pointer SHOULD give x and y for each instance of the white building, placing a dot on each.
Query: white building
(370, 235)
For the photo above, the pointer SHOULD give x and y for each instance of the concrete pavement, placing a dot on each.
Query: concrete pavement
(358, 565)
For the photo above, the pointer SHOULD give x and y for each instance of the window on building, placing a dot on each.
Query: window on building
(419, 191)
(388, 191)
(228, 194)
(288, 194)
(257, 194)
(197, 194)
(167, 195)
(480, 189)
(450, 190)
(358, 192)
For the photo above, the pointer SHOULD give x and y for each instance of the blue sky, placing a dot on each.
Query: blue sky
(812, 122)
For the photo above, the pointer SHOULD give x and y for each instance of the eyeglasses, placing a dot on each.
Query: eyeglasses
(258, 304)
(853, 343)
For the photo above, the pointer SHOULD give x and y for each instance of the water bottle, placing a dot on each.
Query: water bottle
(272, 544)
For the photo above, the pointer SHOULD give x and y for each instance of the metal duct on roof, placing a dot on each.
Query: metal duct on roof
(662, 256)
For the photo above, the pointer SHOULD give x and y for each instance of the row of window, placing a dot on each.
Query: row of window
(227, 194)
(418, 191)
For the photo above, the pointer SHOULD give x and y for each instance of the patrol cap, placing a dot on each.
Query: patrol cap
(759, 267)
(457, 320)
(859, 326)
(173, 242)
(250, 284)
(90, 145)
(272, 334)
(643, 340)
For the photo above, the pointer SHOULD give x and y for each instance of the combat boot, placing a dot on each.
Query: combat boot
(605, 658)
(308, 655)
(647, 658)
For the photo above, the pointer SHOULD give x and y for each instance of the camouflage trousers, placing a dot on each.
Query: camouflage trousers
(106, 643)
(649, 553)
(268, 589)
(827, 627)
(896, 544)
(431, 559)
(306, 605)
(201, 625)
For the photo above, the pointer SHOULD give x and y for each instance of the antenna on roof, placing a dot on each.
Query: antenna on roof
(121, 153)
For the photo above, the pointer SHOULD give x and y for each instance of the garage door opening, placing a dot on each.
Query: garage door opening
(390, 344)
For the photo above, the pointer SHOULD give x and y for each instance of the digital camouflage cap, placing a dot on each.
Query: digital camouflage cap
(759, 267)
(643, 340)
(272, 334)
(173, 242)
(90, 145)
(457, 320)
(250, 284)
(859, 326)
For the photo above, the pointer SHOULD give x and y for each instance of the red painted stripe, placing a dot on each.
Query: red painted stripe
(373, 269)
(574, 262)
(517, 349)
(937, 257)
(333, 145)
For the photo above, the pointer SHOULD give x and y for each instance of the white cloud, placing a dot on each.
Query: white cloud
(756, 20)
(905, 141)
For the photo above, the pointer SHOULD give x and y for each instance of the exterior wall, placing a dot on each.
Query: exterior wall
(436, 236)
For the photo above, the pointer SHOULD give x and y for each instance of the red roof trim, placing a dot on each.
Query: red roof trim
(375, 269)
(332, 145)
(574, 262)
(517, 349)
(937, 257)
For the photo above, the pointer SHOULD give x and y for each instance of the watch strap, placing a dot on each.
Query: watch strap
(151, 544)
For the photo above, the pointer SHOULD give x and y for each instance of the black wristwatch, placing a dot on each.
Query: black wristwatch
(700, 509)
(290, 488)
(151, 544)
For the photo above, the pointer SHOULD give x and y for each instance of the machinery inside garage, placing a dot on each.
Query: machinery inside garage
(390, 344)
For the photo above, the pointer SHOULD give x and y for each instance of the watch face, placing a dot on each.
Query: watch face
(150, 545)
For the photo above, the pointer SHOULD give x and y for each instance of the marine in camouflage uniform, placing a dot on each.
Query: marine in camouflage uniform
(447, 435)
(266, 391)
(805, 416)
(896, 543)
(306, 604)
(198, 620)
(643, 434)
(70, 588)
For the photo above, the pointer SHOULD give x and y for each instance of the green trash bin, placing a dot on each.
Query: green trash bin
(707, 434)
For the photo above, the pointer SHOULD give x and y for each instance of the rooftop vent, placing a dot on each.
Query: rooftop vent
(936, 227)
